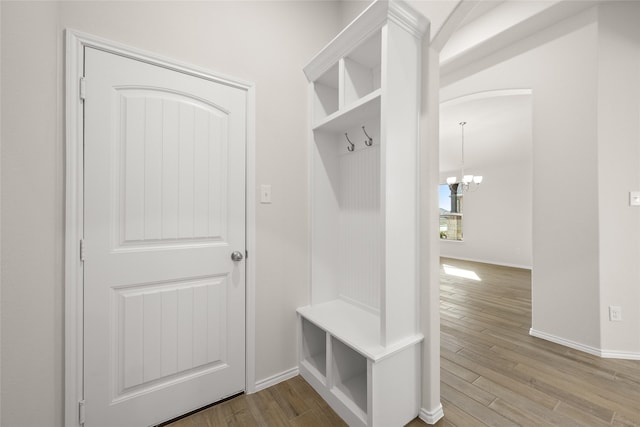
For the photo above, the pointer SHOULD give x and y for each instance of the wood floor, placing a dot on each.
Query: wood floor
(290, 403)
(493, 372)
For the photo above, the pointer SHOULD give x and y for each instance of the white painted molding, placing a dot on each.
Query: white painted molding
(613, 354)
(362, 27)
(75, 42)
(405, 16)
(526, 19)
(276, 379)
(432, 416)
(567, 343)
(250, 237)
(73, 273)
(609, 354)
(451, 24)
(492, 262)
(485, 94)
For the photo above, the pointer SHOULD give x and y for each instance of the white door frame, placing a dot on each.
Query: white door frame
(74, 219)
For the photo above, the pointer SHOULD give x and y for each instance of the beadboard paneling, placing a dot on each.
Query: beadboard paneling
(171, 168)
(360, 237)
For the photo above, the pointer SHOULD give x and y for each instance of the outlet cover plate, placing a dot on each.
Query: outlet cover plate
(615, 313)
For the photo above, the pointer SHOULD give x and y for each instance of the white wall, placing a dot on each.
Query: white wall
(560, 66)
(585, 77)
(32, 287)
(350, 9)
(619, 173)
(497, 216)
(264, 42)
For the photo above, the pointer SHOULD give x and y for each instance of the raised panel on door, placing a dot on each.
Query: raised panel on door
(167, 331)
(172, 173)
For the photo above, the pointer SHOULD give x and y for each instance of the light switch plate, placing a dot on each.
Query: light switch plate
(265, 193)
(634, 198)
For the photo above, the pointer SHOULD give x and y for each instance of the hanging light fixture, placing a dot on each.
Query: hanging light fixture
(468, 182)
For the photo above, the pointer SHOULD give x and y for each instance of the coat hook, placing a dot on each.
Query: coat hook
(351, 144)
(369, 141)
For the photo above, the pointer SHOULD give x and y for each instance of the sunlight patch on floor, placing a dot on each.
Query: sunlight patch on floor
(460, 272)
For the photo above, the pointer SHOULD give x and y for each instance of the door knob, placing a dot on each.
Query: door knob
(237, 256)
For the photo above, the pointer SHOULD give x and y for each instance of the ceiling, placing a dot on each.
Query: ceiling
(436, 11)
(480, 8)
(498, 129)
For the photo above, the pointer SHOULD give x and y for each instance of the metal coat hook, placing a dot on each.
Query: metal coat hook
(351, 144)
(369, 141)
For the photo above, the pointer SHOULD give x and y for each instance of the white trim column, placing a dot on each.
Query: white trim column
(431, 408)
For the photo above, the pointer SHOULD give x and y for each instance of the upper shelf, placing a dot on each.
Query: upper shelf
(366, 24)
(349, 81)
(347, 73)
(354, 114)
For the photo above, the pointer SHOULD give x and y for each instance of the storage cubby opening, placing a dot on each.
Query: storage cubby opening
(326, 94)
(314, 346)
(362, 69)
(350, 374)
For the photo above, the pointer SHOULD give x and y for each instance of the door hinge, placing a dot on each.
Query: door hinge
(83, 88)
(246, 254)
(82, 250)
(81, 412)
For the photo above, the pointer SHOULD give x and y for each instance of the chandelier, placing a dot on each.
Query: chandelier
(467, 182)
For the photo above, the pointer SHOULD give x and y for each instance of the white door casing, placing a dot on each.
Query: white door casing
(164, 305)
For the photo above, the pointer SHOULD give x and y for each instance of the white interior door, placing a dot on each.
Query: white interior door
(164, 309)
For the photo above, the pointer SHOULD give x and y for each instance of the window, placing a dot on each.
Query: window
(450, 212)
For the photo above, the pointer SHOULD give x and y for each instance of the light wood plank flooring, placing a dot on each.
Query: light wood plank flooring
(290, 403)
(493, 372)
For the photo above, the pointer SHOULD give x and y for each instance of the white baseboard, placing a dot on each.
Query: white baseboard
(275, 379)
(567, 343)
(612, 354)
(486, 261)
(433, 416)
(609, 354)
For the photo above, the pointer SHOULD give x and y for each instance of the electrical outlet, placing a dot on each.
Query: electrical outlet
(265, 193)
(615, 313)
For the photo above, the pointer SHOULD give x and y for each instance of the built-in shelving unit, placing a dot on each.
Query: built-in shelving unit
(359, 336)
